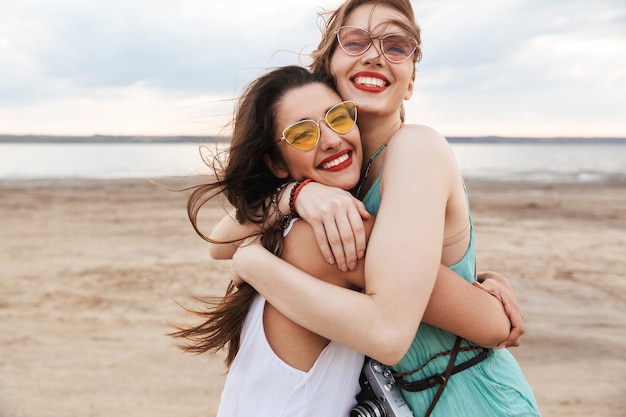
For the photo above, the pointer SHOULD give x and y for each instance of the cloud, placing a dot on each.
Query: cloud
(196, 45)
(524, 67)
(138, 65)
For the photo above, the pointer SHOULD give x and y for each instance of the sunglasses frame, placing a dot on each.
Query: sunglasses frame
(317, 123)
(381, 39)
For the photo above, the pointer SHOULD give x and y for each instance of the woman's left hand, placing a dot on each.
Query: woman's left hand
(500, 287)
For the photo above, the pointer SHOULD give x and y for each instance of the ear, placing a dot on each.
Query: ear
(278, 168)
(409, 91)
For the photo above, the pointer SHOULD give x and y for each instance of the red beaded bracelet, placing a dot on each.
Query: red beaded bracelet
(294, 194)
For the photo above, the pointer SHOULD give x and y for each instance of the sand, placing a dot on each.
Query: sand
(90, 271)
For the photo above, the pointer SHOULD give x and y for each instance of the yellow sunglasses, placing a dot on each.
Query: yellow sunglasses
(305, 134)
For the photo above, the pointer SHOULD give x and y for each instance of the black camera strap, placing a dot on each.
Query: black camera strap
(445, 376)
(434, 380)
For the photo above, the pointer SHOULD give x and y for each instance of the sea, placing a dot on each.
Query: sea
(533, 160)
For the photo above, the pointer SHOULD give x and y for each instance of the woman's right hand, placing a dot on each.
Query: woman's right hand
(336, 217)
(243, 258)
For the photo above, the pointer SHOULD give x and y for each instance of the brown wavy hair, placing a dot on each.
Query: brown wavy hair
(247, 183)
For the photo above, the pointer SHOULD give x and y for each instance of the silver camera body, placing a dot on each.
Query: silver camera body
(380, 395)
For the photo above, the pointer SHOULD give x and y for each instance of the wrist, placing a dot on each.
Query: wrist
(248, 260)
(286, 203)
(294, 194)
(282, 202)
(281, 220)
(278, 220)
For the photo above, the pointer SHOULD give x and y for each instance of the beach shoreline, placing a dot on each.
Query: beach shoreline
(92, 270)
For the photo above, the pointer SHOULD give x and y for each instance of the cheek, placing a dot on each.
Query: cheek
(358, 153)
(342, 82)
(299, 165)
(339, 66)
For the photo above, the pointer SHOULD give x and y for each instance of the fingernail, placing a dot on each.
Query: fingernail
(343, 267)
(331, 260)
(361, 254)
(352, 266)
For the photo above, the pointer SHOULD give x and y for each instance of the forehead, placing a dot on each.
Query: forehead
(374, 17)
(308, 102)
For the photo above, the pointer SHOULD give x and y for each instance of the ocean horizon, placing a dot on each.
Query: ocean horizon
(491, 158)
(221, 139)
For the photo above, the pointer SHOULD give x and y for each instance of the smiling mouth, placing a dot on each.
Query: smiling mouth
(370, 81)
(331, 164)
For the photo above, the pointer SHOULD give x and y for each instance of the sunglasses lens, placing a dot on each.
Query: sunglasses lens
(398, 48)
(342, 117)
(353, 40)
(302, 135)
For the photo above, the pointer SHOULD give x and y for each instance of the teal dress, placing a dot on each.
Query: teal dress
(493, 387)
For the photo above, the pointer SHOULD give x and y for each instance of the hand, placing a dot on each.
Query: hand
(498, 286)
(337, 221)
(240, 257)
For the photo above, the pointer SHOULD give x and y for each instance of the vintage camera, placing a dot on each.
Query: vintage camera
(380, 395)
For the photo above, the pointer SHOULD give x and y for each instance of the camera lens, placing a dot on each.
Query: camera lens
(369, 408)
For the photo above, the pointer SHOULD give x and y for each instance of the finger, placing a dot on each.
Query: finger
(513, 340)
(346, 234)
(360, 240)
(362, 210)
(490, 289)
(509, 342)
(517, 324)
(517, 327)
(481, 286)
(322, 242)
(336, 246)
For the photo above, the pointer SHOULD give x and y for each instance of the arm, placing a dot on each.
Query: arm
(335, 215)
(400, 268)
(231, 231)
(452, 305)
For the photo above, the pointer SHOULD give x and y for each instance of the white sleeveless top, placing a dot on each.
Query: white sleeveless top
(260, 384)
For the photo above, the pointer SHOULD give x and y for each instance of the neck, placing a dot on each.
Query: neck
(376, 131)
(375, 134)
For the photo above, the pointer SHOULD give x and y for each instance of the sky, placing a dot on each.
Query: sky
(518, 68)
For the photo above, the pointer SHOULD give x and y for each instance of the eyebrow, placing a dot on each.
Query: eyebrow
(325, 113)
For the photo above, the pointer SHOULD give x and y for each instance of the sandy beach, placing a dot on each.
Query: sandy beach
(91, 271)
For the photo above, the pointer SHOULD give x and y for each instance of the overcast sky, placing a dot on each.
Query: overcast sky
(167, 67)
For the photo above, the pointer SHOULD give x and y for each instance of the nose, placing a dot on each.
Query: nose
(329, 139)
(373, 53)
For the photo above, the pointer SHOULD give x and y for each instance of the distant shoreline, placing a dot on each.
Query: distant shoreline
(214, 139)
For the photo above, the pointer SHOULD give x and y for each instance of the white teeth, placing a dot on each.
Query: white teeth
(370, 81)
(343, 158)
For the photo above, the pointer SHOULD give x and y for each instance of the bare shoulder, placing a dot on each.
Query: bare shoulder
(301, 250)
(421, 144)
(418, 135)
